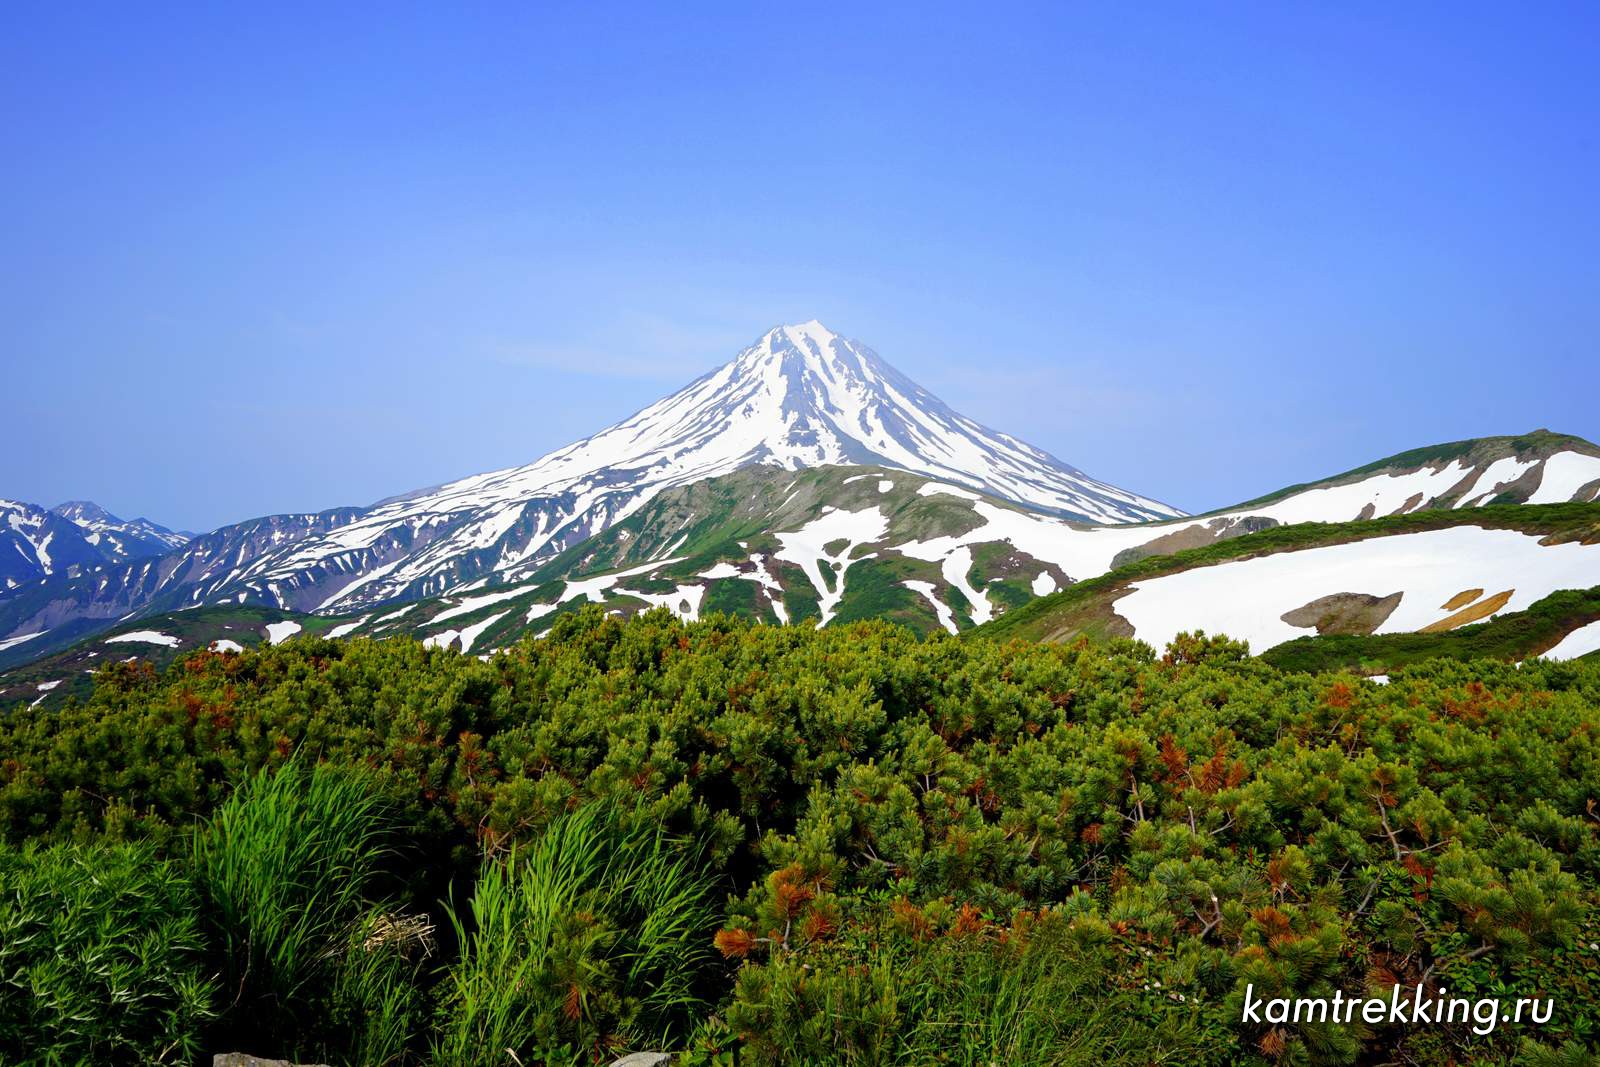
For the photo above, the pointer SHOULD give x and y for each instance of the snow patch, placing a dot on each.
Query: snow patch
(441, 640)
(346, 628)
(1580, 642)
(947, 618)
(149, 637)
(282, 631)
(1244, 598)
(595, 588)
(1387, 494)
(806, 547)
(473, 603)
(12, 642)
(955, 569)
(1502, 471)
(1564, 474)
(683, 601)
(469, 634)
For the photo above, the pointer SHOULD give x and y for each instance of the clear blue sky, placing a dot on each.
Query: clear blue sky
(278, 259)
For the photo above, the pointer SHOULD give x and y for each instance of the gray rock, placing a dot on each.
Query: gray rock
(244, 1059)
(644, 1059)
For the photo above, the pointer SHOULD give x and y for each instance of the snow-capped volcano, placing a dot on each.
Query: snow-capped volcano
(801, 396)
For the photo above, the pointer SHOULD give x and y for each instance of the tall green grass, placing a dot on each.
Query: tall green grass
(596, 936)
(286, 870)
(1038, 997)
(100, 957)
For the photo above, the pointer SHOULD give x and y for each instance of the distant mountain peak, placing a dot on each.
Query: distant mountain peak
(84, 511)
(72, 539)
(828, 399)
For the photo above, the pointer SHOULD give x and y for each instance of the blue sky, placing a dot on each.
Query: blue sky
(287, 259)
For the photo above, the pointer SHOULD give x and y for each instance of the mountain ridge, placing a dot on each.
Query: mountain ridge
(72, 538)
(800, 397)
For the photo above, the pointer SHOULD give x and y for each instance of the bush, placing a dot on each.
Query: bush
(1227, 822)
(100, 957)
(596, 935)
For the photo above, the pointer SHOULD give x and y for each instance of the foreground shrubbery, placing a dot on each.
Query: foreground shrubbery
(908, 850)
(100, 957)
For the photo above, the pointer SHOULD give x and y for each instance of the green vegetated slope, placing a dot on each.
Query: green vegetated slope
(676, 539)
(1087, 608)
(778, 845)
(52, 679)
(665, 552)
(731, 518)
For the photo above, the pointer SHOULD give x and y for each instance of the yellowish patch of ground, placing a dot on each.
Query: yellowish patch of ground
(1461, 599)
(1481, 610)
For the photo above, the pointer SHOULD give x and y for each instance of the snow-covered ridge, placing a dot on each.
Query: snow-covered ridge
(1557, 478)
(103, 527)
(72, 538)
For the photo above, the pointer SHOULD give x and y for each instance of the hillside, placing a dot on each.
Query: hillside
(1430, 570)
(848, 543)
(1540, 467)
(155, 643)
(835, 846)
(709, 547)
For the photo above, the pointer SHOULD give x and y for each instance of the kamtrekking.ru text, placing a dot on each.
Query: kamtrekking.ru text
(1404, 1006)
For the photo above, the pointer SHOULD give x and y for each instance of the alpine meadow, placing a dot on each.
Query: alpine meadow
(1236, 701)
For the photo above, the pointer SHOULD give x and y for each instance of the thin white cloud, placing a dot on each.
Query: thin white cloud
(636, 346)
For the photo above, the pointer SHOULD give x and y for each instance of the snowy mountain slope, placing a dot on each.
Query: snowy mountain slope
(835, 545)
(827, 544)
(1428, 571)
(799, 397)
(1404, 583)
(1535, 468)
(72, 539)
(120, 538)
(35, 543)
